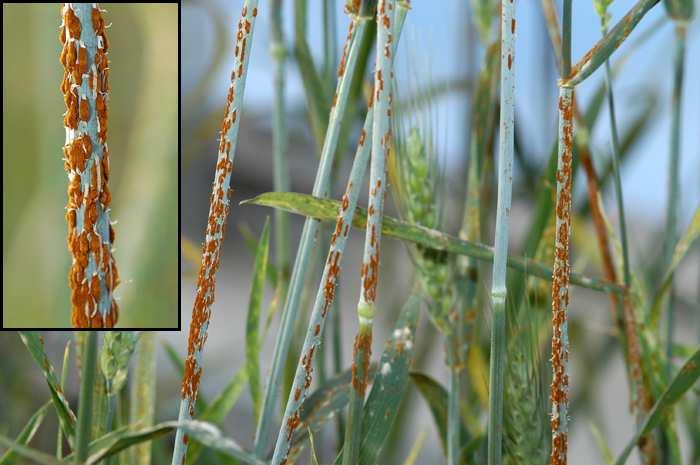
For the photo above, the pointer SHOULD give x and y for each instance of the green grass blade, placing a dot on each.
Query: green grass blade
(64, 375)
(317, 101)
(66, 417)
(143, 393)
(390, 383)
(87, 380)
(281, 178)
(222, 404)
(205, 433)
(601, 442)
(681, 250)
(27, 433)
(325, 210)
(605, 47)
(29, 453)
(436, 397)
(252, 347)
(684, 380)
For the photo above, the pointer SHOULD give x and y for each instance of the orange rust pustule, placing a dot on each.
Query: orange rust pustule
(88, 195)
(560, 282)
(218, 211)
(362, 348)
(344, 56)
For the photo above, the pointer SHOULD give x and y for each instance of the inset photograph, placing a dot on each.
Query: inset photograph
(90, 166)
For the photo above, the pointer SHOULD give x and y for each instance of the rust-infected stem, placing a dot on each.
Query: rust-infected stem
(381, 143)
(559, 388)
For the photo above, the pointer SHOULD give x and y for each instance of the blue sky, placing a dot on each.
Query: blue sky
(435, 40)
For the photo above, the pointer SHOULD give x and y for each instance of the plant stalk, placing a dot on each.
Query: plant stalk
(278, 51)
(93, 274)
(505, 187)
(87, 380)
(559, 388)
(216, 225)
(346, 71)
(381, 144)
(325, 297)
(143, 394)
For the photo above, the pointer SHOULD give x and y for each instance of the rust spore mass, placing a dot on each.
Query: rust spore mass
(82, 157)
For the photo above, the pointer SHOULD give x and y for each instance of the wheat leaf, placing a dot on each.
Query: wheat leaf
(390, 382)
(27, 433)
(682, 248)
(35, 345)
(436, 397)
(252, 348)
(684, 380)
(326, 210)
(27, 452)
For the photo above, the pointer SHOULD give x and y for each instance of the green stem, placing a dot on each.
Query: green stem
(143, 394)
(505, 186)
(64, 375)
(87, 380)
(673, 199)
(279, 146)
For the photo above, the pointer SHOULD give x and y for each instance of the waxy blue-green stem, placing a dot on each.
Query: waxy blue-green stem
(324, 298)
(204, 297)
(505, 186)
(304, 253)
(279, 145)
(381, 143)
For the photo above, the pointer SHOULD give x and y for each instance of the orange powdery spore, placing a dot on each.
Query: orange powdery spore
(346, 48)
(559, 388)
(86, 162)
(216, 227)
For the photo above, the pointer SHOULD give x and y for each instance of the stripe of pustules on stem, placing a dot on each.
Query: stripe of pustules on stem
(324, 298)
(381, 142)
(216, 225)
(559, 388)
(93, 274)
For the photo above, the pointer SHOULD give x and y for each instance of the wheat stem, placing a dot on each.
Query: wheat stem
(278, 52)
(93, 275)
(325, 297)
(559, 388)
(87, 379)
(505, 186)
(387, 22)
(321, 187)
(216, 225)
(143, 393)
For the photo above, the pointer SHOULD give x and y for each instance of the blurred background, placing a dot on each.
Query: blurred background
(143, 144)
